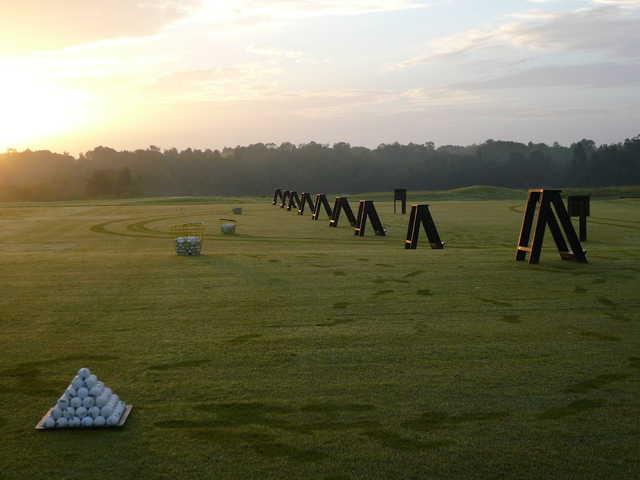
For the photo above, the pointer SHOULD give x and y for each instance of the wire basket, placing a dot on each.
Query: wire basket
(188, 238)
(228, 226)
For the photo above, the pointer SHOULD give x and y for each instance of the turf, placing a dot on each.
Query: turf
(293, 350)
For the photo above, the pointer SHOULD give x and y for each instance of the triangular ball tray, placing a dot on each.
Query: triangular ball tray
(87, 403)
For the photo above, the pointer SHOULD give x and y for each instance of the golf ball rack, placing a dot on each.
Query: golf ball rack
(86, 403)
(188, 238)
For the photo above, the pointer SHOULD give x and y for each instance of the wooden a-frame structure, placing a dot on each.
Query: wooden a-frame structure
(305, 199)
(545, 207)
(367, 209)
(421, 216)
(294, 201)
(277, 196)
(321, 202)
(342, 203)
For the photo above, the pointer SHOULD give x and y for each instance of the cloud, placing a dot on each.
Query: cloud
(611, 30)
(627, 3)
(598, 75)
(231, 15)
(33, 25)
(256, 84)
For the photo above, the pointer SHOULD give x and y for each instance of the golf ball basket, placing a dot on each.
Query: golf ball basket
(188, 238)
(228, 226)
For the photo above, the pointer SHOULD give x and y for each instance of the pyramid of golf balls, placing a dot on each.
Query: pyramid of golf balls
(188, 245)
(86, 402)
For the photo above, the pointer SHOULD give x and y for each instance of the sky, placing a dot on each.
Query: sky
(76, 74)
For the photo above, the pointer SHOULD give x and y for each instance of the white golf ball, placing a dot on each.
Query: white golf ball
(107, 392)
(88, 402)
(62, 422)
(63, 402)
(84, 373)
(83, 392)
(112, 420)
(77, 383)
(76, 402)
(49, 422)
(106, 411)
(99, 421)
(74, 422)
(102, 400)
(70, 392)
(96, 391)
(68, 413)
(94, 412)
(87, 422)
(56, 413)
(115, 398)
(81, 412)
(91, 381)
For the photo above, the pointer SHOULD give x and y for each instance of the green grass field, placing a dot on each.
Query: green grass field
(294, 350)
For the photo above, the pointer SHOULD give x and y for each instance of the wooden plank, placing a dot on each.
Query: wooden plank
(527, 224)
(123, 420)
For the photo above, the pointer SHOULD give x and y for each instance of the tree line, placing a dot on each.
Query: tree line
(256, 169)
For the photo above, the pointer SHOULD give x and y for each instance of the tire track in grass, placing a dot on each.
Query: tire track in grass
(140, 229)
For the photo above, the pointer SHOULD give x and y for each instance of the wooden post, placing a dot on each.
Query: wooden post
(305, 199)
(401, 195)
(366, 210)
(342, 203)
(421, 216)
(545, 207)
(580, 206)
(321, 201)
(277, 196)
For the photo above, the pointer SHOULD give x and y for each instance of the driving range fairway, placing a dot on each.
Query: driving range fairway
(295, 350)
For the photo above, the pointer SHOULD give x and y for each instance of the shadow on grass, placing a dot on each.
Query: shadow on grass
(30, 380)
(184, 364)
(573, 408)
(230, 423)
(595, 383)
(336, 322)
(513, 319)
(599, 336)
(380, 293)
(244, 339)
(396, 442)
(414, 274)
(434, 420)
(336, 407)
(497, 303)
